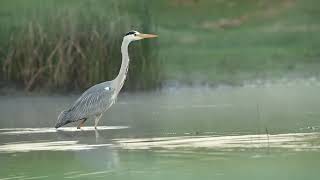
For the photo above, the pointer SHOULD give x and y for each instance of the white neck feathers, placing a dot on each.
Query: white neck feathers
(119, 80)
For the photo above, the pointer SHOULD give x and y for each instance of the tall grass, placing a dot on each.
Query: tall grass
(73, 48)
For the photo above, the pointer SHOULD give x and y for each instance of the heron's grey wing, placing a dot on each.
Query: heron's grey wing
(92, 102)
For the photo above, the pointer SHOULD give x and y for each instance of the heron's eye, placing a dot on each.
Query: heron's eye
(135, 34)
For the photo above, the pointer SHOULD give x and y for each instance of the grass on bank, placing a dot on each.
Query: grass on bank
(230, 41)
(201, 41)
(65, 46)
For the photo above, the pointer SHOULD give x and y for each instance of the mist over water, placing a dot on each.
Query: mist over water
(187, 133)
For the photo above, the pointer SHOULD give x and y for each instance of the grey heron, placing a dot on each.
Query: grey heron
(100, 97)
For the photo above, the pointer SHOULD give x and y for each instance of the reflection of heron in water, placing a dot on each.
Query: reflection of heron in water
(98, 98)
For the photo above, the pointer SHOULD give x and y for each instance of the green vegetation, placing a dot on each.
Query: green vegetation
(230, 41)
(73, 44)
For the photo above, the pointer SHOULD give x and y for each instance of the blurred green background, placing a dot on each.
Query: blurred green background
(57, 45)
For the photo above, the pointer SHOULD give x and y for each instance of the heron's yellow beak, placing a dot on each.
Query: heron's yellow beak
(144, 36)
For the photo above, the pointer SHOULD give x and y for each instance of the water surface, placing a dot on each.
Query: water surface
(248, 132)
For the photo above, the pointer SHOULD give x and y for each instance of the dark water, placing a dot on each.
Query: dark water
(250, 132)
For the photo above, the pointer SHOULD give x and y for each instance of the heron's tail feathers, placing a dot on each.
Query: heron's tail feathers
(63, 119)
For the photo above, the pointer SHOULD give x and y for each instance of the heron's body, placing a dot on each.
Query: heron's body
(97, 99)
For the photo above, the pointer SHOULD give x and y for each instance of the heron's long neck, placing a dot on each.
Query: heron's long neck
(119, 80)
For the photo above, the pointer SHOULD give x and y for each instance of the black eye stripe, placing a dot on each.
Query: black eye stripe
(130, 32)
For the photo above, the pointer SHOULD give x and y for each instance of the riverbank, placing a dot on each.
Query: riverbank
(200, 42)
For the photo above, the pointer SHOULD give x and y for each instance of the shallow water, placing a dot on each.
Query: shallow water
(249, 132)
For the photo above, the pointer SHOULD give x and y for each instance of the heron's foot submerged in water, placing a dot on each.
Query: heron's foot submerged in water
(81, 124)
(96, 121)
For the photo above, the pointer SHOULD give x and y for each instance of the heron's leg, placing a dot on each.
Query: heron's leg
(96, 121)
(97, 135)
(81, 123)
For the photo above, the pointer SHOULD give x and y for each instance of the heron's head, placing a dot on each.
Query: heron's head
(135, 35)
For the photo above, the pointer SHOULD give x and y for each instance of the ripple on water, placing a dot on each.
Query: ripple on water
(291, 141)
(14, 131)
(48, 146)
